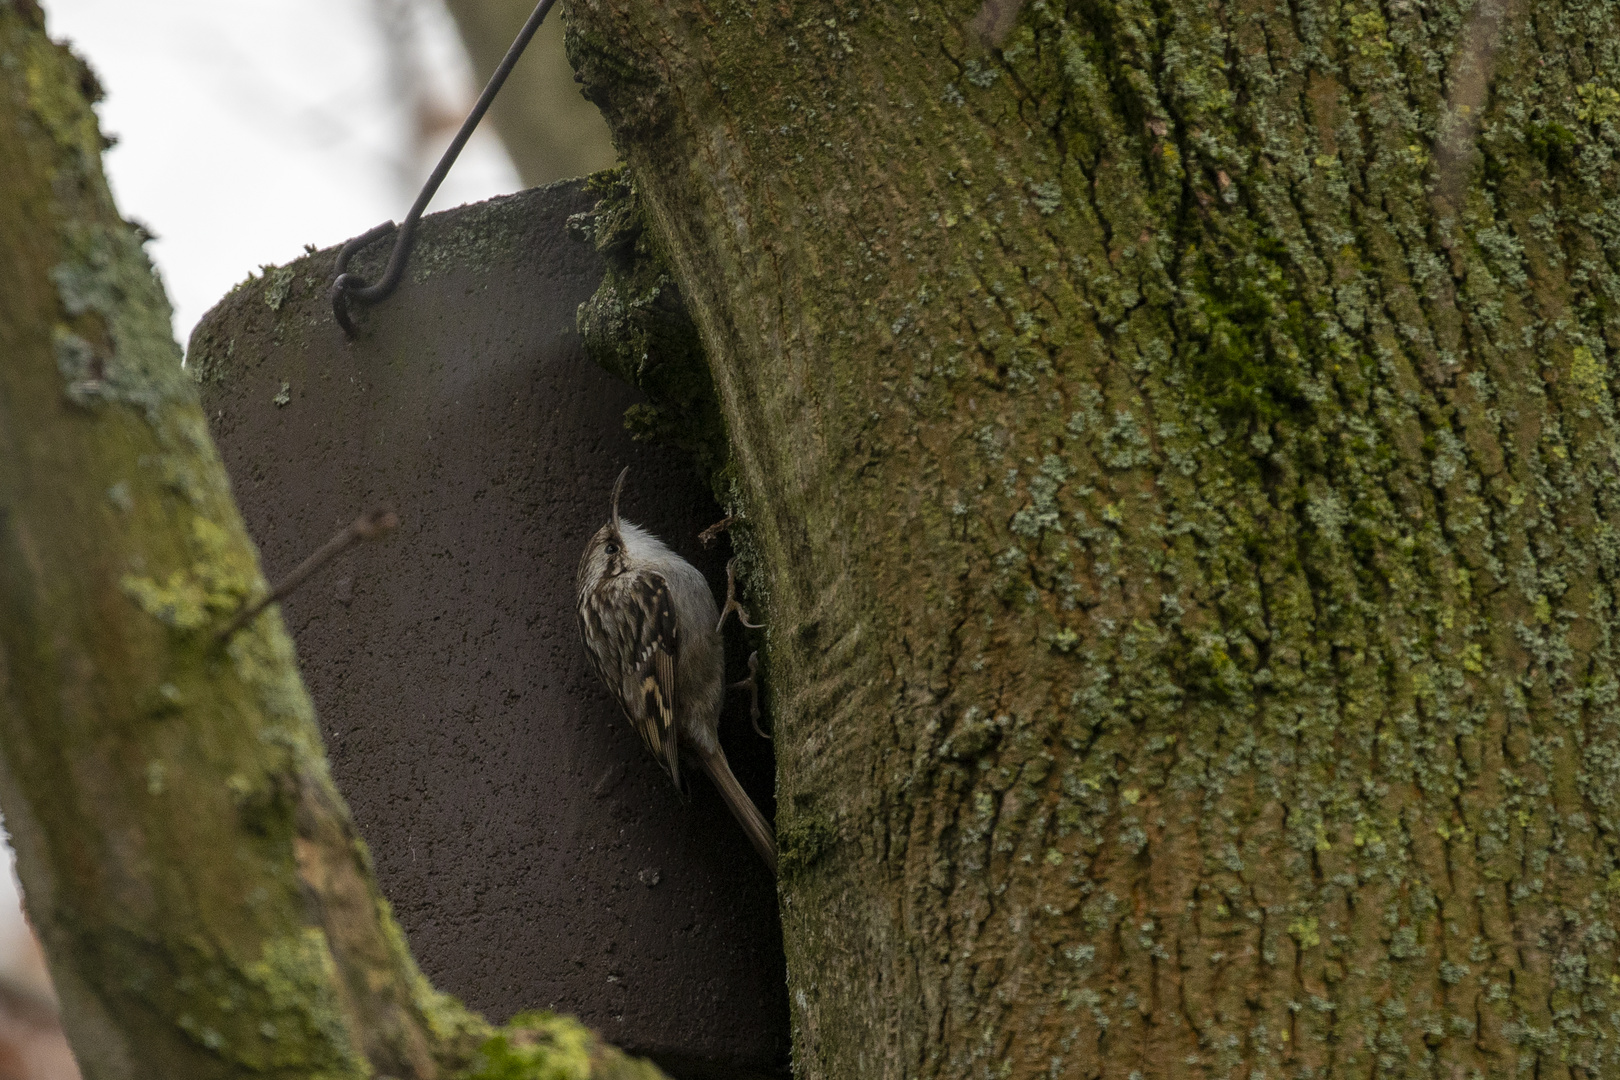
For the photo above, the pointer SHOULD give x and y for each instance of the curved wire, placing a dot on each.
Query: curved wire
(347, 287)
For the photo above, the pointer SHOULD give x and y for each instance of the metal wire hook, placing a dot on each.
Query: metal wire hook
(347, 287)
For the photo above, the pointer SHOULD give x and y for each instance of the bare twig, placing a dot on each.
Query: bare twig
(367, 526)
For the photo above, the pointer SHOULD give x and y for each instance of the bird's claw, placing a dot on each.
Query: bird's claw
(731, 601)
(708, 536)
(753, 693)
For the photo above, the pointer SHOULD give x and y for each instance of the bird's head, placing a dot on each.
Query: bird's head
(605, 555)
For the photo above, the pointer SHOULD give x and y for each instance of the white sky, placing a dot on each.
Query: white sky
(248, 128)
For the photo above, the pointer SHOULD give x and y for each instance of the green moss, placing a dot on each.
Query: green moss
(545, 1046)
(217, 582)
(1589, 374)
(611, 77)
(297, 981)
(179, 602)
(453, 1027)
(536, 1046)
(636, 327)
(1306, 930)
(1246, 330)
(279, 1011)
(1367, 34)
(802, 839)
(1598, 104)
(1553, 143)
(263, 657)
(59, 95)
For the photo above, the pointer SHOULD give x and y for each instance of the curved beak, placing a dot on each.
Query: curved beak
(618, 486)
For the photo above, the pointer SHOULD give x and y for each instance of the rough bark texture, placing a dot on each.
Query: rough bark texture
(550, 131)
(206, 905)
(1178, 455)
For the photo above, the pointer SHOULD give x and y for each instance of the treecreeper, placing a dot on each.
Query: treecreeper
(652, 632)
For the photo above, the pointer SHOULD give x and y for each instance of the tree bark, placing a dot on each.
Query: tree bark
(549, 130)
(1176, 454)
(206, 905)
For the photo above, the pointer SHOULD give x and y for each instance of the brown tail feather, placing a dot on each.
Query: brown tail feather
(741, 806)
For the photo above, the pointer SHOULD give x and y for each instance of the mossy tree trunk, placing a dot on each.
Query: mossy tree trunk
(1177, 452)
(204, 901)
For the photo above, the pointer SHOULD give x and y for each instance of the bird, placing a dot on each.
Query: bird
(652, 633)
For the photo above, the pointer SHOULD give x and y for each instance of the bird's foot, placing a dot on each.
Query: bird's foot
(708, 536)
(731, 601)
(752, 687)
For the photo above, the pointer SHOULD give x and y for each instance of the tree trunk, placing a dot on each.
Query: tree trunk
(549, 130)
(206, 905)
(1178, 462)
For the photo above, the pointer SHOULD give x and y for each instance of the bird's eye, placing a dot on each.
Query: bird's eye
(612, 548)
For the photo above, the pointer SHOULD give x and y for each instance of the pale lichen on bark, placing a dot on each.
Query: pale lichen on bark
(1184, 474)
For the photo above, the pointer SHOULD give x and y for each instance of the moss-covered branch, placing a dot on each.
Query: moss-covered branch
(205, 903)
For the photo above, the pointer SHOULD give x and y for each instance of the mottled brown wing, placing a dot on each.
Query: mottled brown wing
(650, 700)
